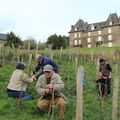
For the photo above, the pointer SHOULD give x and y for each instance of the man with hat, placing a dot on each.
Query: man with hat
(50, 86)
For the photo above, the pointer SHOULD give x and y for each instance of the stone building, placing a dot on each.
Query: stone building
(106, 33)
(3, 39)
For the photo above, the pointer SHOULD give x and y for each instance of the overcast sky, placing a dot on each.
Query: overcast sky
(41, 18)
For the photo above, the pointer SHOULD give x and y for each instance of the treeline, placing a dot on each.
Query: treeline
(56, 41)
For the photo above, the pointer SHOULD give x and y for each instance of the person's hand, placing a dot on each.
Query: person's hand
(104, 77)
(109, 77)
(49, 86)
(33, 77)
(47, 91)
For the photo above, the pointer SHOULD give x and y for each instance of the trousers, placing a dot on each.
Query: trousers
(18, 94)
(45, 104)
(105, 85)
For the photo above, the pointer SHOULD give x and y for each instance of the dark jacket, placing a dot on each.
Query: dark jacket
(45, 61)
(105, 70)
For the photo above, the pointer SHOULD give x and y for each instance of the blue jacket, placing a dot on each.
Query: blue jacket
(45, 61)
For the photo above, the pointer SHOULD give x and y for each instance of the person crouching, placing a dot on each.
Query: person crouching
(18, 83)
(50, 86)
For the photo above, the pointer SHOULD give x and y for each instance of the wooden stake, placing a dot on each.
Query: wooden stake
(68, 71)
(91, 55)
(29, 66)
(36, 49)
(76, 65)
(18, 54)
(115, 97)
(28, 48)
(61, 50)
(79, 107)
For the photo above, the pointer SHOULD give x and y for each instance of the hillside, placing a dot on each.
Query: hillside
(93, 109)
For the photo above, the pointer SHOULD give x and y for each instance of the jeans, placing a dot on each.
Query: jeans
(19, 94)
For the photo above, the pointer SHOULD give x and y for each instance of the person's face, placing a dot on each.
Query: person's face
(102, 63)
(48, 74)
(38, 60)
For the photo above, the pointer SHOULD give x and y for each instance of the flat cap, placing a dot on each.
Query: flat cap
(48, 68)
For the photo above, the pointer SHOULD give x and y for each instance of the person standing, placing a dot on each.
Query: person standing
(105, 77)
(50, 86)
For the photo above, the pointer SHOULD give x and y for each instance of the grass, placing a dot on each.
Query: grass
(10, 109)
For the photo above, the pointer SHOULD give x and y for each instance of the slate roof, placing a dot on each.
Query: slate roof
(3, 37)
(84, 26)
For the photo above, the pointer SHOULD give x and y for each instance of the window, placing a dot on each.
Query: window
(109, 30)
(75, 42)
(89, 33)
(110, 44)
(99, 38)
(109, 37)
(76, 28)
(89, 45)
(75, 35)
(92, 27)
(79, 35)
(110, 23)
(79, 41)
(99, 32)
(89, 40)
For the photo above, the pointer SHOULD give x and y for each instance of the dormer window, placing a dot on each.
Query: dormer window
(92, 27)
(76, 28)
(110, 23)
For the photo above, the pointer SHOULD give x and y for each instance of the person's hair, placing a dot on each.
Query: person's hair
(20, 66)
(102, 60)
(38, 56)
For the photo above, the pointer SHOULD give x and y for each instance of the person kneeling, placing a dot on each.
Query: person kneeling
(18, 83)
(50, 86)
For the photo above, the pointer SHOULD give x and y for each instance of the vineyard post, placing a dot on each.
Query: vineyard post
(18, 54)
(68, 71)
(69, 53)
(76, 65)
(61, 50)
(115, 96)
(13, 58)
(0, 57)
(91, 55)
(36, 49)
(50, 51)
(28, 48)
(79, 106)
